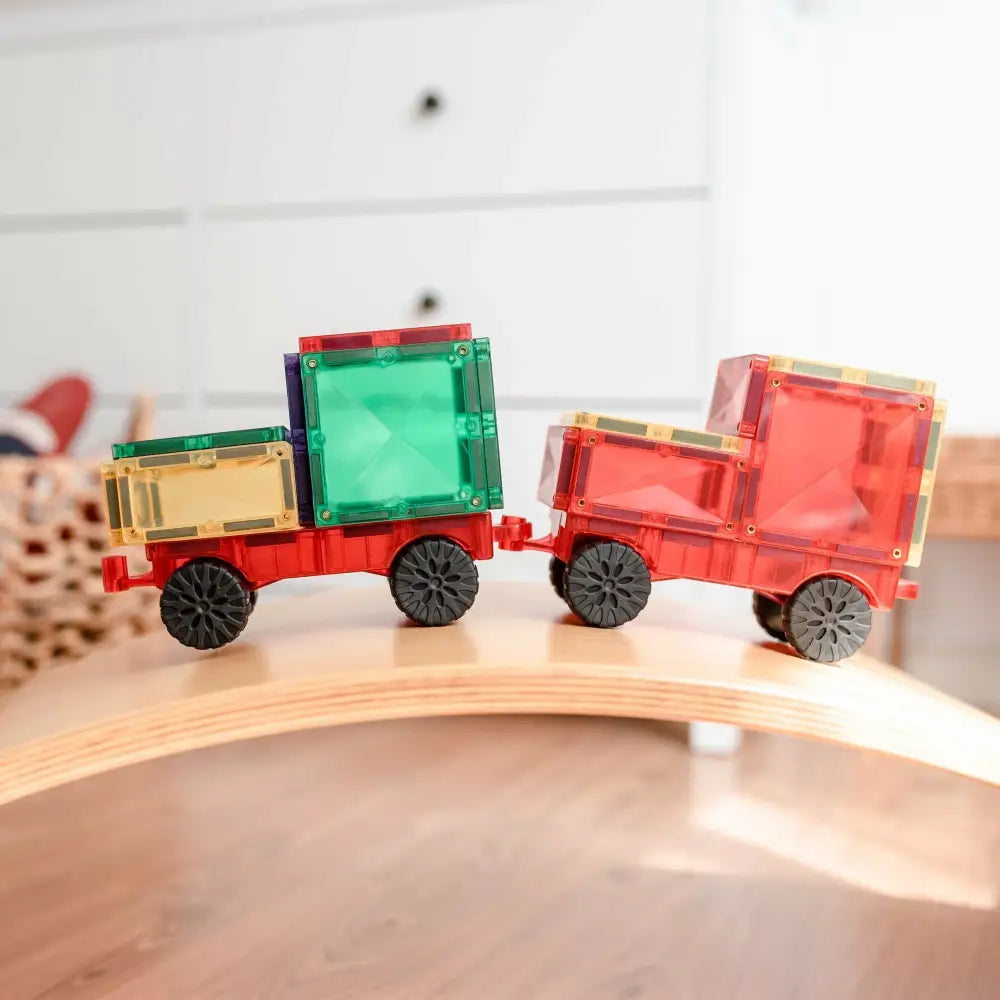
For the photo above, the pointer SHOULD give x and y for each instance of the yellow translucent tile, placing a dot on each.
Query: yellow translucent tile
(927, 480)
(856, 376)
(655, 432)
(209, 493)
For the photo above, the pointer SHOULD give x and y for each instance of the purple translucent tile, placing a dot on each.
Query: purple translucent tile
(293, 386)
(300, 453)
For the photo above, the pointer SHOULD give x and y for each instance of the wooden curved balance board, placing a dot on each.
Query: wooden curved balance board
(347, 656)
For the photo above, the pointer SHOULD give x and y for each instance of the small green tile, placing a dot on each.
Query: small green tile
(198, 442)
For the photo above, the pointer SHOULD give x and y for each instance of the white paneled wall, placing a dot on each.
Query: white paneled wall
(865, 205)
(579, 301)
(556, 96)
(111, 302)
(187, 188)
(95, 127)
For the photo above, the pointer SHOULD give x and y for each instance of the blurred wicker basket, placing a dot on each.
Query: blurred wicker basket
(967, 490)
(53, 608)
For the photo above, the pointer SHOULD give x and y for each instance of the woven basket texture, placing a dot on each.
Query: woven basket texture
(53, 608)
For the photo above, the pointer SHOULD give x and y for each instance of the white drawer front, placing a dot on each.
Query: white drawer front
(539, 97)
(108, 304)
(598, 302)
(98, 128)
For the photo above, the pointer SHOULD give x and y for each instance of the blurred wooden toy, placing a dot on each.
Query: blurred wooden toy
(52, 536)
(966, 506)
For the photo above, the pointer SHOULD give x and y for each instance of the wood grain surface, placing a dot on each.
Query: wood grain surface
(504, 859)
(343, 656)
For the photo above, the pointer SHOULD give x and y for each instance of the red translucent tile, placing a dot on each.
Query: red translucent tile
(385, 338)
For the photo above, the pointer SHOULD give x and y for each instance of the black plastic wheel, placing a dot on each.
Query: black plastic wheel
(607, 584)
(557, 577)
(434, 581)
(827, 619)
(767, 611)
(253, 599)
(205, 604)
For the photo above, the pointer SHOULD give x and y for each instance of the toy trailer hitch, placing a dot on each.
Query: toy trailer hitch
(116, 578)
(513, 534)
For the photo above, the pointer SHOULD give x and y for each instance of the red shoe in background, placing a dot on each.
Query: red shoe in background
(48, 421)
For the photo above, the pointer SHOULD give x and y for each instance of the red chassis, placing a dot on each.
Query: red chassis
(266, 558)
(749, 567)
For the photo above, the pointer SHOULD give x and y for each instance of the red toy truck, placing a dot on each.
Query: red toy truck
(811, 486)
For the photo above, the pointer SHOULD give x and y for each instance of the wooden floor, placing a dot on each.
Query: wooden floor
(483, 858)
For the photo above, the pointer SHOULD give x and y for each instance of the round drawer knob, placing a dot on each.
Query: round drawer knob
(428, 302)
(431, 103)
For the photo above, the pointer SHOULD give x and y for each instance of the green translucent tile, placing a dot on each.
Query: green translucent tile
(491, 461)
(401, 432)
(487, 401)
(198, 442)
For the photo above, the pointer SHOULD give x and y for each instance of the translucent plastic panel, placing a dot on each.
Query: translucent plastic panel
(223, 439)
(202, 493)
(729, 397)
(649, 479)
(401, 432)
(656, 432)
(835, 471)
(548, 481)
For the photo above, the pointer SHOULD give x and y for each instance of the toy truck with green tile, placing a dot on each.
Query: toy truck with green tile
(390, 465)
(809, 486)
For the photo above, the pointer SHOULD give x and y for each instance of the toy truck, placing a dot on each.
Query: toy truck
(810, 486)
(390, 466)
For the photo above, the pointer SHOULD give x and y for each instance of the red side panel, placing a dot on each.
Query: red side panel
(836, 467)
(361, 548)
(385, 338)
(640, 480)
